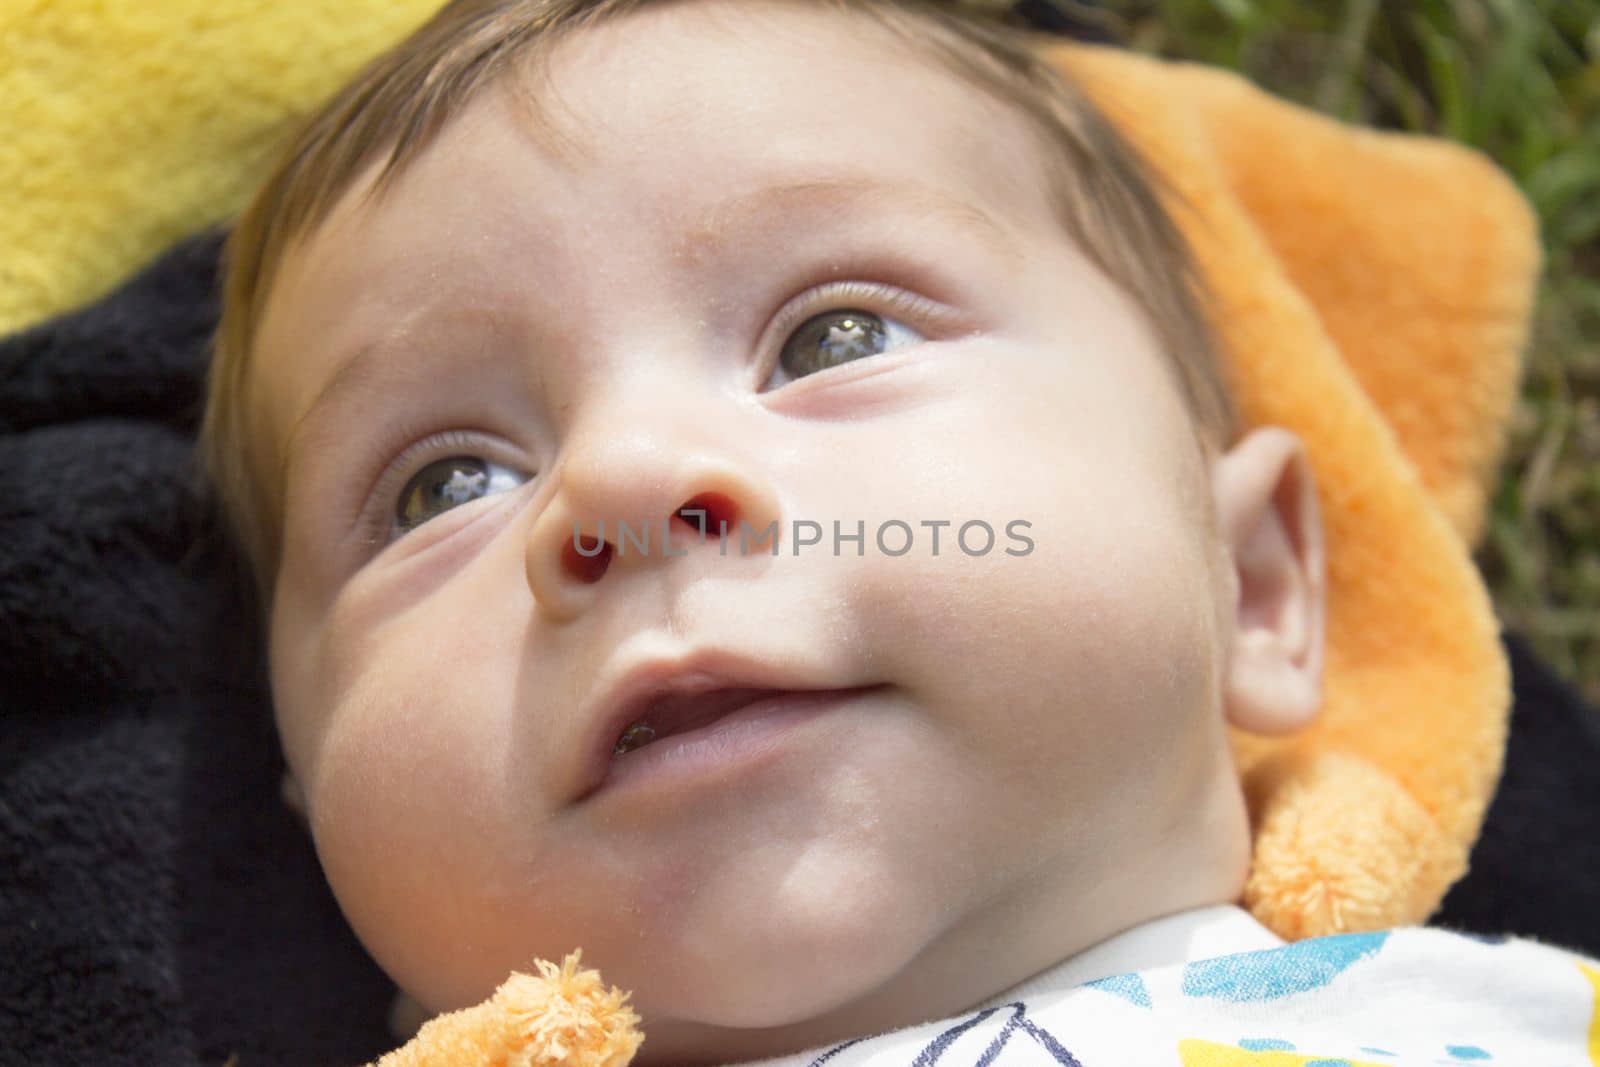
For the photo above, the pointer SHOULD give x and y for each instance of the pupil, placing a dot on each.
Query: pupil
(850, 338)
(461, 487)
(428, 494)
(836, 337)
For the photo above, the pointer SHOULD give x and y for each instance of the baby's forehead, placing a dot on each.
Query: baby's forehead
(729, 141)
(717, 92)
(658, 113)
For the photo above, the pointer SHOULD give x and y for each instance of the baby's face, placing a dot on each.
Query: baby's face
(1030, 755)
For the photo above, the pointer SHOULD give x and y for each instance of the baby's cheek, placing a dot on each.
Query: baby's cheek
(409, 805)
(420, 709)
(1084, 662)
(447, 871)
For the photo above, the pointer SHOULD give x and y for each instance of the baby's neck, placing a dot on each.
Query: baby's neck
(1194, 934)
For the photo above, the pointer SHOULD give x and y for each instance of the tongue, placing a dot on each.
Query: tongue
(679, 714)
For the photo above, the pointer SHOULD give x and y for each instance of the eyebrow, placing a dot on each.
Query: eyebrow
(707, 236)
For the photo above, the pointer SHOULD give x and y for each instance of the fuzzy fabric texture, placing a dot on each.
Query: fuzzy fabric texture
(130, 126)
(562, 1015)
(159, 906)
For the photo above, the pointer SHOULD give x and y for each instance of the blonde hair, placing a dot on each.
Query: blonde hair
(1110, 204)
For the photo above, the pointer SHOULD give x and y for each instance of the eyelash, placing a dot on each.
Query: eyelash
(375, 519)
(839, 295)
(377, 523)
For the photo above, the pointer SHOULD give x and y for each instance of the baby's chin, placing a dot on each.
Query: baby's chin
(677, 1042)
(754, 1017)
(797, 1013)
(759, 955)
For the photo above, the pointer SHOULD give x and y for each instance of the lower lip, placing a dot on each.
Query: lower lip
(736, 742)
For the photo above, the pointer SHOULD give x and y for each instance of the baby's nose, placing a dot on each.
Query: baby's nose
(641, 497)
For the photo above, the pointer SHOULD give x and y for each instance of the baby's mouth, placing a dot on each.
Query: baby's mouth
(678, 714)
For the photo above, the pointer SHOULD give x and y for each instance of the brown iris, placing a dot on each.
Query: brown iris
(832, 338)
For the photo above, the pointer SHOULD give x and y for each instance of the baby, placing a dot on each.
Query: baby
(744, 487)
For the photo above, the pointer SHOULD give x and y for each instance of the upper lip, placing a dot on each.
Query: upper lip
(726, 680)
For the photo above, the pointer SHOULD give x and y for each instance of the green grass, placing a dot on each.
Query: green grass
(1520, 80)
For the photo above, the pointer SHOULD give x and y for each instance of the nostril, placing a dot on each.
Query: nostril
(589, 565)
(710, 514)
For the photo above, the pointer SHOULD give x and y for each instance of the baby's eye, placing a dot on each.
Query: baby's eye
(447, 483)
(840, 336)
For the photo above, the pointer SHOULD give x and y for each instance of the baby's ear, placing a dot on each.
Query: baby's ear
(293, 796)
(1270, 526)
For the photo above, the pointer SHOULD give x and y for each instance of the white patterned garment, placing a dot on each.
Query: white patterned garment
(1214, 988)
